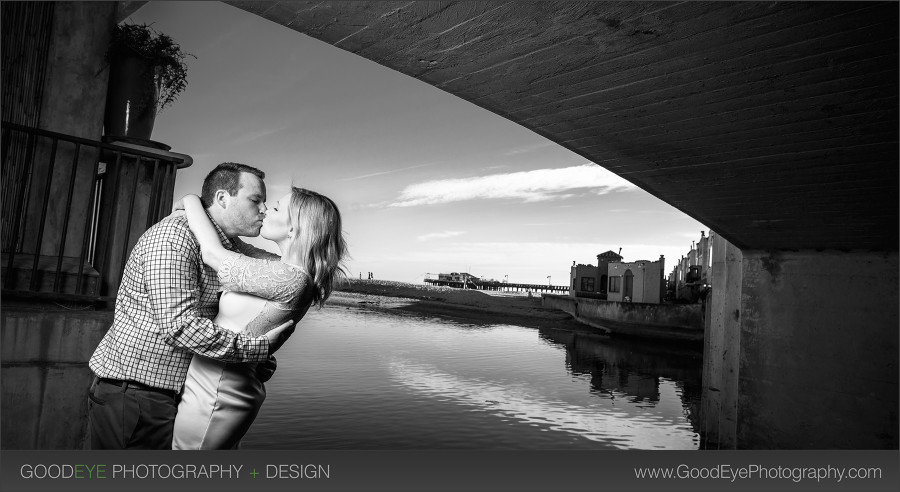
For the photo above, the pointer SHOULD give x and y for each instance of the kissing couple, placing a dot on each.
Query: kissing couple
(183, 367)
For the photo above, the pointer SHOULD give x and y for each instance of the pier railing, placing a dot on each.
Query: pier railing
(501, 286)
(72, 210)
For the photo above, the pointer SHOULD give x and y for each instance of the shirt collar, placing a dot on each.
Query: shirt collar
(227, 242)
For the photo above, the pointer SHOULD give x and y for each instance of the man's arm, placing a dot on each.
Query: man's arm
(171, 273)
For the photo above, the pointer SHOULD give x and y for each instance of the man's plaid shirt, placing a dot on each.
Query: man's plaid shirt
(164, 312)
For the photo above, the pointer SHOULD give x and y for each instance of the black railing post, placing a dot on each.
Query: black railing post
(68, 213)
(44, 206)
(88, 226)
(103, 245)
(5, 138)
(134, 185)
(17, 219)
(154, 196)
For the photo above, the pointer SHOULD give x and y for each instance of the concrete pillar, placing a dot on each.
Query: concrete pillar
(721, 348)
(819, 350)
(801, 350)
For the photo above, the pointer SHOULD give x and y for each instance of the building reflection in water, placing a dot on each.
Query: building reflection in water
(632, 368)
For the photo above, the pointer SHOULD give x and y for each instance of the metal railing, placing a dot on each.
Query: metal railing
(65, 199)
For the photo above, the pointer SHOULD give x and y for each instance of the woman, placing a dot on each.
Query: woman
(221, 400)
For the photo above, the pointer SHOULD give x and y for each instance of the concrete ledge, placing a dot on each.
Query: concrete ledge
(51, 336)
(45, 378)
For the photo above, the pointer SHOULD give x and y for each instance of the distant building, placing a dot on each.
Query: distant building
(603, 261)
(637, 281)
(692, 271)
(583, 280)
(614, 280)
(457, 277)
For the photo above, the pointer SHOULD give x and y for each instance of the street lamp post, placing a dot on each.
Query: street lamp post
(548, 281)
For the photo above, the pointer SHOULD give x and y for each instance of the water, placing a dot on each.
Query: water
(357, 379)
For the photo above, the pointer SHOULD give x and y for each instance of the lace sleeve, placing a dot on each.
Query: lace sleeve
(271, 280)
(254, 252)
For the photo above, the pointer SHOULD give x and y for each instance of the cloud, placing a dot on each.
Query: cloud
(527, 186)
(381, 173)
(439, 235)
(530, 148)
(255, 135)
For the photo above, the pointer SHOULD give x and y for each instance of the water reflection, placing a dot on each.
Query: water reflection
(361, 379)
(633, 369)
(623, 429)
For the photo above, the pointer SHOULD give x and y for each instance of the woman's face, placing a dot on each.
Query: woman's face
(277, 224)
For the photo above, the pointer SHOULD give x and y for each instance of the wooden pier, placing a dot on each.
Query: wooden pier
(499, 286)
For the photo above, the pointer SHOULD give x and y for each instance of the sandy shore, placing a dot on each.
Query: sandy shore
(472, 306)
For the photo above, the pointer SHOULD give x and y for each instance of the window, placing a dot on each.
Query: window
(615, 284)
(587, 284)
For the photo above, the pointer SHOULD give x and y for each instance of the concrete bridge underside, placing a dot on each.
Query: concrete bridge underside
(773, 123)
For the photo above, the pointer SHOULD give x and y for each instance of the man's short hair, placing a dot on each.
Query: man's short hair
(226, 176)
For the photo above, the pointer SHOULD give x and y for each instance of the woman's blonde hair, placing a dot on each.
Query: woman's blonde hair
(318, 245)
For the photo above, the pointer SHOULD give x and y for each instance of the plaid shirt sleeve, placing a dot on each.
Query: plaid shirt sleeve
(171, 281)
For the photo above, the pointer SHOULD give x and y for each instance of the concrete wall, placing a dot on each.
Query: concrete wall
(660, 321)
(45, 377)
(801, 354)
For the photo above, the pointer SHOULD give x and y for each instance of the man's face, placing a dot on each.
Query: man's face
(245, 211)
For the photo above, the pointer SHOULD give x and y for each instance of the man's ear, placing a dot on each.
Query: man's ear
(221, 198)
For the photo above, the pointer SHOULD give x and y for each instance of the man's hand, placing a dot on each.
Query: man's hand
(265, 370)
(279, 335)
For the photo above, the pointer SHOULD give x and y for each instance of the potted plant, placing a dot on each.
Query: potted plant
(147, 73)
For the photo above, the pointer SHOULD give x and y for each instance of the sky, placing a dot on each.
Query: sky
(426, 182)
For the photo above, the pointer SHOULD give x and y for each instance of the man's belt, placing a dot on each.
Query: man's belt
(137, 385)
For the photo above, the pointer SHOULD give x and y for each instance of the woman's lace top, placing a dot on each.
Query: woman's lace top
(282, 285)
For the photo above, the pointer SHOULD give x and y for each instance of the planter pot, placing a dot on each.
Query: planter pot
(130, 98)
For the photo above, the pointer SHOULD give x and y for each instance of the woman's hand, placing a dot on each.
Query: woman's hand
(177, 209)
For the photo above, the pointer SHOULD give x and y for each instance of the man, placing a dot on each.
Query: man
(164, 311)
